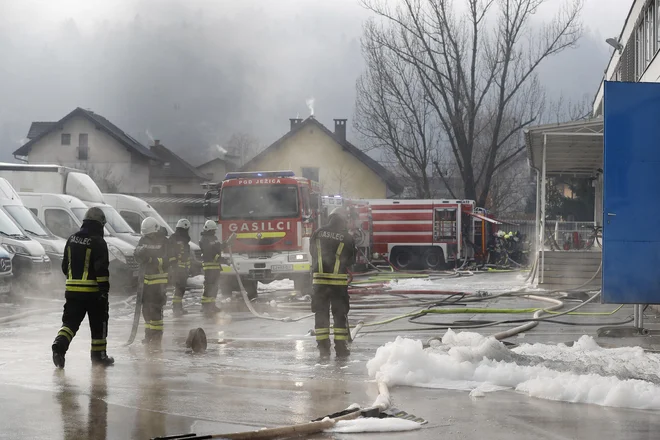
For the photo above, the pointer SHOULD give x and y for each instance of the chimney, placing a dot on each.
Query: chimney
(340, 129)
(295, 122)
(156, 141)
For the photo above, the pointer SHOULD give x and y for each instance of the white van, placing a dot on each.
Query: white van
(29, 260)
(13, 206)
(134, 210)
(57, 179)
(62, 214)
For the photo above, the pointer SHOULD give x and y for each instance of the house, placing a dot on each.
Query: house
(217, 168)
(313, 151)
(88, 141)
(173, 175)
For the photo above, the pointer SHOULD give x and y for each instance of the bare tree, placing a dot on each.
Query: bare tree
(477, 71)
(244, 146)
(394, 116)
(101, 175)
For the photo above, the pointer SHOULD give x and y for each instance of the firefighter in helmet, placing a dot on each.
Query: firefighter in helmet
(152, 254)
(211, 258)
(179, 247)
(333, 253)
(85, 264)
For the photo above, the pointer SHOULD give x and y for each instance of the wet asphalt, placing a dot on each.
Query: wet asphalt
(258, 373)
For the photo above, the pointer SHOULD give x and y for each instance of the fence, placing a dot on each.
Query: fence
(562, 231)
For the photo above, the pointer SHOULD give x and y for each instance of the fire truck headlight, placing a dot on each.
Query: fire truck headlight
(298, 257)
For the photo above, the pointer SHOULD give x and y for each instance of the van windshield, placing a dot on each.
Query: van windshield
(8, 227)
(27, 220)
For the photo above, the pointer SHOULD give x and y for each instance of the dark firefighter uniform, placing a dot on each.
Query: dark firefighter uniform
(179, 248)
(85, 265)
(333, 253)
(211, 264)
(152, 254)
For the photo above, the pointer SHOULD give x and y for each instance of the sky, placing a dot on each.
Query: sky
(192, 73)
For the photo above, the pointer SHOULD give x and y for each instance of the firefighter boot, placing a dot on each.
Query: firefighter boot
(102, 358)
(341, 349)
(210, 309)
(58, 356)
(178, 310)
(324, 348)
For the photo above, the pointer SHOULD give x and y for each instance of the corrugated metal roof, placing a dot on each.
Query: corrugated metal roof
(182, 199)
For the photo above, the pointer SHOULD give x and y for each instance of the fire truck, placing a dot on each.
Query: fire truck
(360, 224)
(428, 234)
(273, 214)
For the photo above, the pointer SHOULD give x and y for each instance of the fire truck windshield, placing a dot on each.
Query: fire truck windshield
(259, 202)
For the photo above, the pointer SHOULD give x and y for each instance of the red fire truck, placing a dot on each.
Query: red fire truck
(360, 224)
(273, 214)
(427, 234)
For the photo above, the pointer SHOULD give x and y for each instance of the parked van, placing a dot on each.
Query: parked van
(62, 214)
(134, 210)
(57, 179)
(13, 206)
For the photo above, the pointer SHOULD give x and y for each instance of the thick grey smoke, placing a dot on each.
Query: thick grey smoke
(192, 73)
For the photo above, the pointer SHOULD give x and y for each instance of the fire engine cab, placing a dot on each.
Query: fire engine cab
(427, 234)
(273, 214)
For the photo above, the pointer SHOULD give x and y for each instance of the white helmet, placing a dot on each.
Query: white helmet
(149, 226)
(210, 225)
(184, 223)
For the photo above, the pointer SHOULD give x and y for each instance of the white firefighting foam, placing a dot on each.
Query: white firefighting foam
(374, 425)
(585, 373)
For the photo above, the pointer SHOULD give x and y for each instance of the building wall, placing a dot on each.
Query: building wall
(632, 38)
(108, 160)
(177, 186)
(216, 170)
(339, 171)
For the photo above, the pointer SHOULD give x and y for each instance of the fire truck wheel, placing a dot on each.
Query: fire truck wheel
(402, 258)
(251, 288)
(433, 259)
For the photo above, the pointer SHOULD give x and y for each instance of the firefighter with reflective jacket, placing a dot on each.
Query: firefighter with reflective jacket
(152, 255)
(211, 258)
(179, 248)
(333, 253)
(85, 264)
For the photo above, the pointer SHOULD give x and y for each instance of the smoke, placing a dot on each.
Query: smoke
(151, 138)
(220, 150)
(310, 105)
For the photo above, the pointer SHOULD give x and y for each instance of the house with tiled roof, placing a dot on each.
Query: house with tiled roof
(312, 150)
(173, 175)
(86, 140)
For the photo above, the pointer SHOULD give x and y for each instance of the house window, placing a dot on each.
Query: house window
(83, 148)
(66, 139)
(311, 173)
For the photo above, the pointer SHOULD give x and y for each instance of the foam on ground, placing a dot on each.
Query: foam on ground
(390, 424)
(276, 285)
(585, 372)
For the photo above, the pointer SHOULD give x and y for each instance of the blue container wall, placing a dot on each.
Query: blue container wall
(631, 198)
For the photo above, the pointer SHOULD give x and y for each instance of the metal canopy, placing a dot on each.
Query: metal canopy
(572, 148)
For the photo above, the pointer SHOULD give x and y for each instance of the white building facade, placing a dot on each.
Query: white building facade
(636, 58)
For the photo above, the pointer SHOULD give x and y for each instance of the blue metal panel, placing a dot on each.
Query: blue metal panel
(631, 205)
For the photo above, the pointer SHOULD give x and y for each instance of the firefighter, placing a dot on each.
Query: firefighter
(152, 254)
(333, 253)
(211, 258)
(179, 248)
(85, 264)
